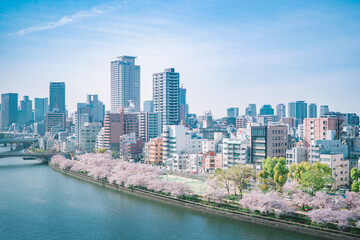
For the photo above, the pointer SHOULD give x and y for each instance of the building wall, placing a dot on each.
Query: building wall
(57, 97)
(54, 119)
(125, 84)
(340, 169)
(87, 136)
(9, 110)
(154, 150)
(316, 128)
(166, 96)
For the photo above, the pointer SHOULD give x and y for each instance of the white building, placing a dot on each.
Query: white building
(296, 155)
(300, 131)
(125, 84)
(209, 145)
(100, 139)
(235, 152)
(124, 141)
(87, 136)
(80, 120)
(166, 96)
(177, 142)
(318, 147)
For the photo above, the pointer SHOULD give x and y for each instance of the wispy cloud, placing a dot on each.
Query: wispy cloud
(95, 11)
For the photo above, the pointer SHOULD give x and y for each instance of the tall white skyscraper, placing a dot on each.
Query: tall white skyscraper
(166, 96)
(125, 84)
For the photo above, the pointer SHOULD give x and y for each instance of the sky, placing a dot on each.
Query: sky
(228, 53)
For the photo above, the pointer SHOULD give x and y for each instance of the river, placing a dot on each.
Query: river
(37, 202)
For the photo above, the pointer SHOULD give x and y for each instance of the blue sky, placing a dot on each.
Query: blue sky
(228, 53)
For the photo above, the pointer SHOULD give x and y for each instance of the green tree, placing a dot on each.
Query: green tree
(225, 179)
(241, 175)
(317, 177)
(297, 170)
(274, 173)
(355, 174)
(101, 150)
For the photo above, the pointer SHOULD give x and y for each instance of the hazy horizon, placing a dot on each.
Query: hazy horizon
(228, 53)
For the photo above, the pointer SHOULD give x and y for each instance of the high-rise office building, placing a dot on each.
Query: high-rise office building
(352, 119)
(9, 110)
(166, 96)
(233, 112)
(291, 110)
(148, 106)
(41, 107)
(301, 111)
(312, 110)
(266, 110)
(96, 108)
(125, 84)
(25, 113)
(54, 119)
(251, 110)
(281, 110)
(149, 125)
(57, 97)
(324, 109)
(183, 107)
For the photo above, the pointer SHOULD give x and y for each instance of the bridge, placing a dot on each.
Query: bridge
(45, 157)
(18, 141)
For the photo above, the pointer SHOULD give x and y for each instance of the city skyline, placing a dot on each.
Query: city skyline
(288, 58)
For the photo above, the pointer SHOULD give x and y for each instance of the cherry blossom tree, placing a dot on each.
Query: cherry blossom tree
(341, 217)
(102, 166)
(322, 200)
(265, 203)
(351, 201)
(301, 199)
(214, 192)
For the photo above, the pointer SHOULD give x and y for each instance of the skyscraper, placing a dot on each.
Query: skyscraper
(324, 109)
(9, 110)
(266, 110)
(166, 96)
(312, 110)
(125, 84)
(184, 107)
(301, 111)
(291, 109)
(96, 107)
(41, 107)
(57, 97)
(148, 106)
(251, 110)
(281, 110)
(25, 114)
(233, 112)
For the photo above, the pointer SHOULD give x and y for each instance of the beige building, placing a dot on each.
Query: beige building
(340, 169)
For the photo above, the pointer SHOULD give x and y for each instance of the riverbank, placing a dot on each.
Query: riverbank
(268, 221)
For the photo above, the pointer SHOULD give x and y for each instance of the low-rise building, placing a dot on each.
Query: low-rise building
(153, 151)
(87, 136)
(340, 169)
(319, 147)
(296, 155)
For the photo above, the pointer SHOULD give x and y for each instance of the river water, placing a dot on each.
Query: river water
(37, 202)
